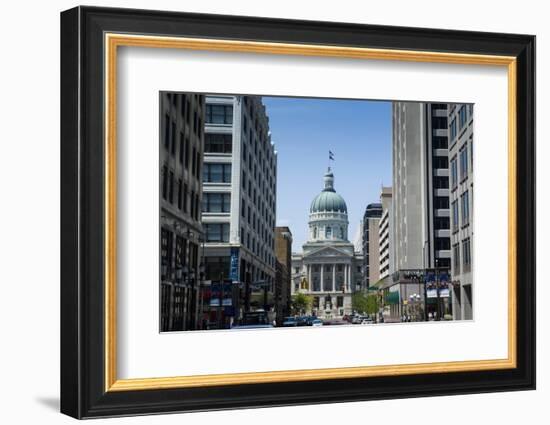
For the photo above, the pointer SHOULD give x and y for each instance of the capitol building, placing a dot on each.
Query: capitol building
(328, 269)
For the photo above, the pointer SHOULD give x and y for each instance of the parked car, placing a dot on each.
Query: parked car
(316, 322)
(290, 321)
(367, 321)
(303, 320)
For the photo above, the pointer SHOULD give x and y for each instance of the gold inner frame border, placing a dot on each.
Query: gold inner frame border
(113, 40)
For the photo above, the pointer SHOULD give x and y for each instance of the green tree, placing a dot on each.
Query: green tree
(359, 303)
(372, 304)
(301, 303)
(365, 303)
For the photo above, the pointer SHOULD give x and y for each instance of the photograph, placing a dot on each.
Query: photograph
(284, 212)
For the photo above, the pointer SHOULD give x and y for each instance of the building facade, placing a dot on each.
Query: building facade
(461, 119)
(283, 270)
(385, 236)
(238, 210)
(420, 204)
(371, 259)
(328, 269)
(181, 149)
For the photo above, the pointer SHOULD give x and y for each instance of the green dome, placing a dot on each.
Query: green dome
(328, 201)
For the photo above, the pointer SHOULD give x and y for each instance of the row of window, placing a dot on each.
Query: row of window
(219, 114)
(216, 232)
(187, 201)
(216, 173)
(329, 233)
(218, 143)
(213, 202)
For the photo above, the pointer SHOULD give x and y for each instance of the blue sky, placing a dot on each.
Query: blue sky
(358, 132)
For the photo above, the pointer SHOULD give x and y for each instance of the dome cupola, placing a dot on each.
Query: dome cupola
(328, 214)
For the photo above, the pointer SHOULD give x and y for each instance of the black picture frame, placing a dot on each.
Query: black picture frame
(83, 392)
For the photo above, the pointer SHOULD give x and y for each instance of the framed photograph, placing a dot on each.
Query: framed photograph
(261, 212)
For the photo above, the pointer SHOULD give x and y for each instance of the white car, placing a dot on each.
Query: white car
(367, 322)
(317, 322)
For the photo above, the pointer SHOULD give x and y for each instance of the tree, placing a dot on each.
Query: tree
(372, 304)
(365, 304)
(359, 303)
(301, 303)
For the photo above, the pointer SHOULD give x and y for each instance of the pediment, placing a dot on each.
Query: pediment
(328, 251)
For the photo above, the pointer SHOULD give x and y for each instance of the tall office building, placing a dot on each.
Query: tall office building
(421, 198)
(181, 147)
(283, 256)
(371, 221)
(238, 209)
(461, 120)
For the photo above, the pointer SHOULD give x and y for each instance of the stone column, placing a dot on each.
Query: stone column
(322, 277)
(309, 281)
(333, 277)
(346, 269)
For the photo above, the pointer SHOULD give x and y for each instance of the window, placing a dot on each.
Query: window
(173, 146)
(217, 232)
(462, 116)
(315, 233)
(166, 131)
(441, 202)
(441, 223)
(455, 215)
(453, 129)
(194, 169)
(339, 301)
(218, 143)
(440, 182)
(183, 105)
(454, 173)
(456, 257)
(440, 162)
(216, 268)
(182, 147)
(442, 244)
(216, 202)
(171, 188)
(328, 232)
(243, 208)
(466, 252)
(165, 182)
(465, 207)
(341, 233)
(166, 241)
(464, 162)
(219, 114)
(187, 153)
(185, 197)
(197, 201)
(180, 194)
(192, 206)
(440, 142)
(216, 173)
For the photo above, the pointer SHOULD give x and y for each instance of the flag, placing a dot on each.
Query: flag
(330, 155)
